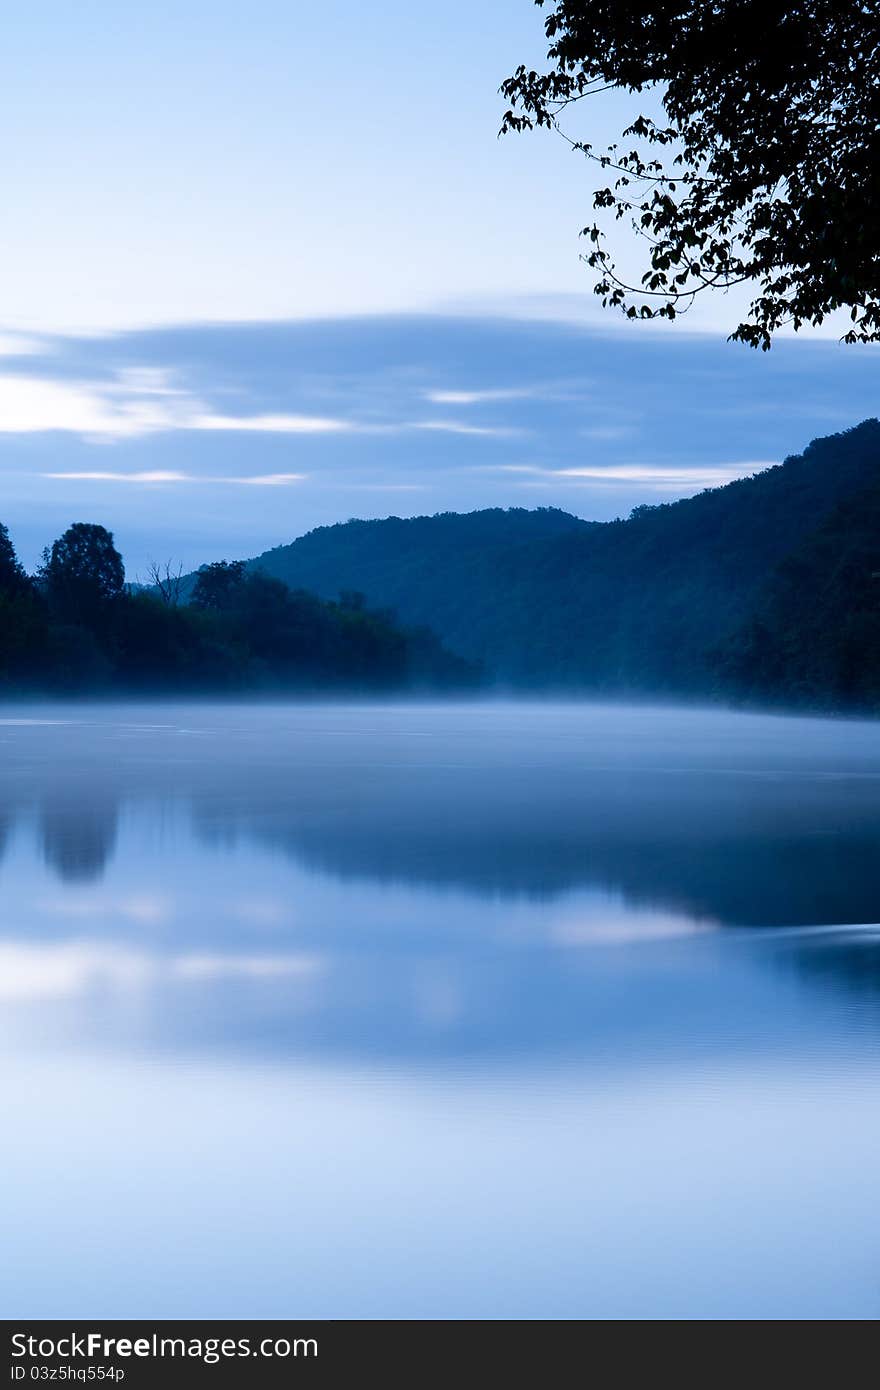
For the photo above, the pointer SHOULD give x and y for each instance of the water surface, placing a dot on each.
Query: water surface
(480, 1010)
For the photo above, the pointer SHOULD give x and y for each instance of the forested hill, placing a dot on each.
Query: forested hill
(813, 635)
(659, 602)
(399, 558)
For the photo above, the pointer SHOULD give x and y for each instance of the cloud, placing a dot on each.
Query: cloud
(660, 474)
(31, 404)
(163, 476)
(507, 393)
(650, 475)
(264, 479)
(133, 403)
(270, 424)
(456, 427)
(21, 345)
(141, 401)
(558, 391)
(145, 381)
(94, 475)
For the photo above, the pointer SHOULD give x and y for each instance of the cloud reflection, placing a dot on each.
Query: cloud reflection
(65, 971)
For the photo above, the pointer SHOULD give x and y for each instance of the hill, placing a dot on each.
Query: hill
(813, 636)
(447, 566)
(660, 602)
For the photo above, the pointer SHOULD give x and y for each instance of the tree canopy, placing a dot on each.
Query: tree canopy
(83, 571)
(217, 584)
(764, 168)
(77, 628)
(12, 575)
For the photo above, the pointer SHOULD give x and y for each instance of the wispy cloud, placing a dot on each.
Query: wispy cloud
(162, 476)
(264, 479)
(143, 401)
(559, 390)
(458, 427)
(21, 345)
(270, 424)
(94, 475)
(506, 393)
(132, 404)
(697, 475)
(650, 475)
(31, 404)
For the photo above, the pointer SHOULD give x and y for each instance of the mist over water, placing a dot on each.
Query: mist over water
(439, 1010)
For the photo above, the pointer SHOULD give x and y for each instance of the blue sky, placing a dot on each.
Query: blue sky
(220, 161)
(267, 266)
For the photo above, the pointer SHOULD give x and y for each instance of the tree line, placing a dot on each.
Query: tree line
(75, 625)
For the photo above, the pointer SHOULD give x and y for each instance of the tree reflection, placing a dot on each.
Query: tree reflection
(78, 836)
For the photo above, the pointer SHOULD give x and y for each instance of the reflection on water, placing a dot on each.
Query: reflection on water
(78, 833)
(488, 1010)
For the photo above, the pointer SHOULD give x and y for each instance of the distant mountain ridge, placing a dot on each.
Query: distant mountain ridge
(655, 603)
(435, 571)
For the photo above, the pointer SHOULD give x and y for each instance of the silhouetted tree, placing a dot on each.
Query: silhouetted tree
(166, 581)
(216, 584)
(12, 576)
(82, 573)
(764, 167)
(78, 628)
(22, 618)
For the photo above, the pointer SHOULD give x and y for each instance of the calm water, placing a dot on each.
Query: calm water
(497, 1011)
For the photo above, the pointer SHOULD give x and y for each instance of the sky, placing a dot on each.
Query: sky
(268, 266)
